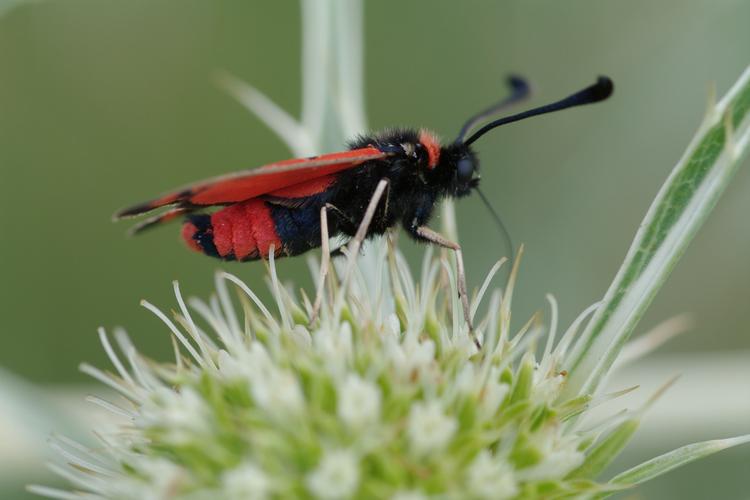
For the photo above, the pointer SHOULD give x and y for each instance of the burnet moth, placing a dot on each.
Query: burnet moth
(291, 206)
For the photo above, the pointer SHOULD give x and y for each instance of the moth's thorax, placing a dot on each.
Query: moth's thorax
(421, 148)
(431, 145)
(419, 156)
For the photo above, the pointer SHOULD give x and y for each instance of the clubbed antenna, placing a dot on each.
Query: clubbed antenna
(519, 90)
(599, 91)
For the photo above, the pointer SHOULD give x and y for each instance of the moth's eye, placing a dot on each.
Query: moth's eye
(465, 169)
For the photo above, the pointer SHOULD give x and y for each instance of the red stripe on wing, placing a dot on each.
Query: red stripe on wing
(248, 184)
(304, 189)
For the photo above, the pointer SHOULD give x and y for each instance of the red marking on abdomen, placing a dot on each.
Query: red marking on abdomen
(432, 145)
(246, 230)
(188, 231)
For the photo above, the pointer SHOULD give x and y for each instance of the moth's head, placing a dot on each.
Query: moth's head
(452, 169)
(459, 170)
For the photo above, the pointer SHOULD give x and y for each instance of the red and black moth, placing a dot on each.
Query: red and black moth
(279, 207)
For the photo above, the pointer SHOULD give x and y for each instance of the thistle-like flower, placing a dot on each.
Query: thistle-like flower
(359, 405)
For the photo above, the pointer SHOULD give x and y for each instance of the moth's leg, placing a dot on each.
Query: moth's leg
(379, 214)
(384, 212)
(364, 225)
(426, 234)
(354, 244)
(325, 262)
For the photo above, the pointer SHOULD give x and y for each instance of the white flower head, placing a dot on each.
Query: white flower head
(411, 357)
(336, 477)
(466, 381)
(547, 387)
(154, 479)
(335, 346)
(246, 482)
(235, 367)
(421, 355)
(180, 416)
(491, 478)
(278, 392)
(409, 495)
(274, 389)
(429, 428)
(386, 407)
(559, 455)
(358, 401)
(493, 395)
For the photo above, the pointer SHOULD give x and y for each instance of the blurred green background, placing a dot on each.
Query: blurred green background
(105, 103)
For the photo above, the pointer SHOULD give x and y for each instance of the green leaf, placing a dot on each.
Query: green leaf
(680, 208)
(602, 454)
(677, 458)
